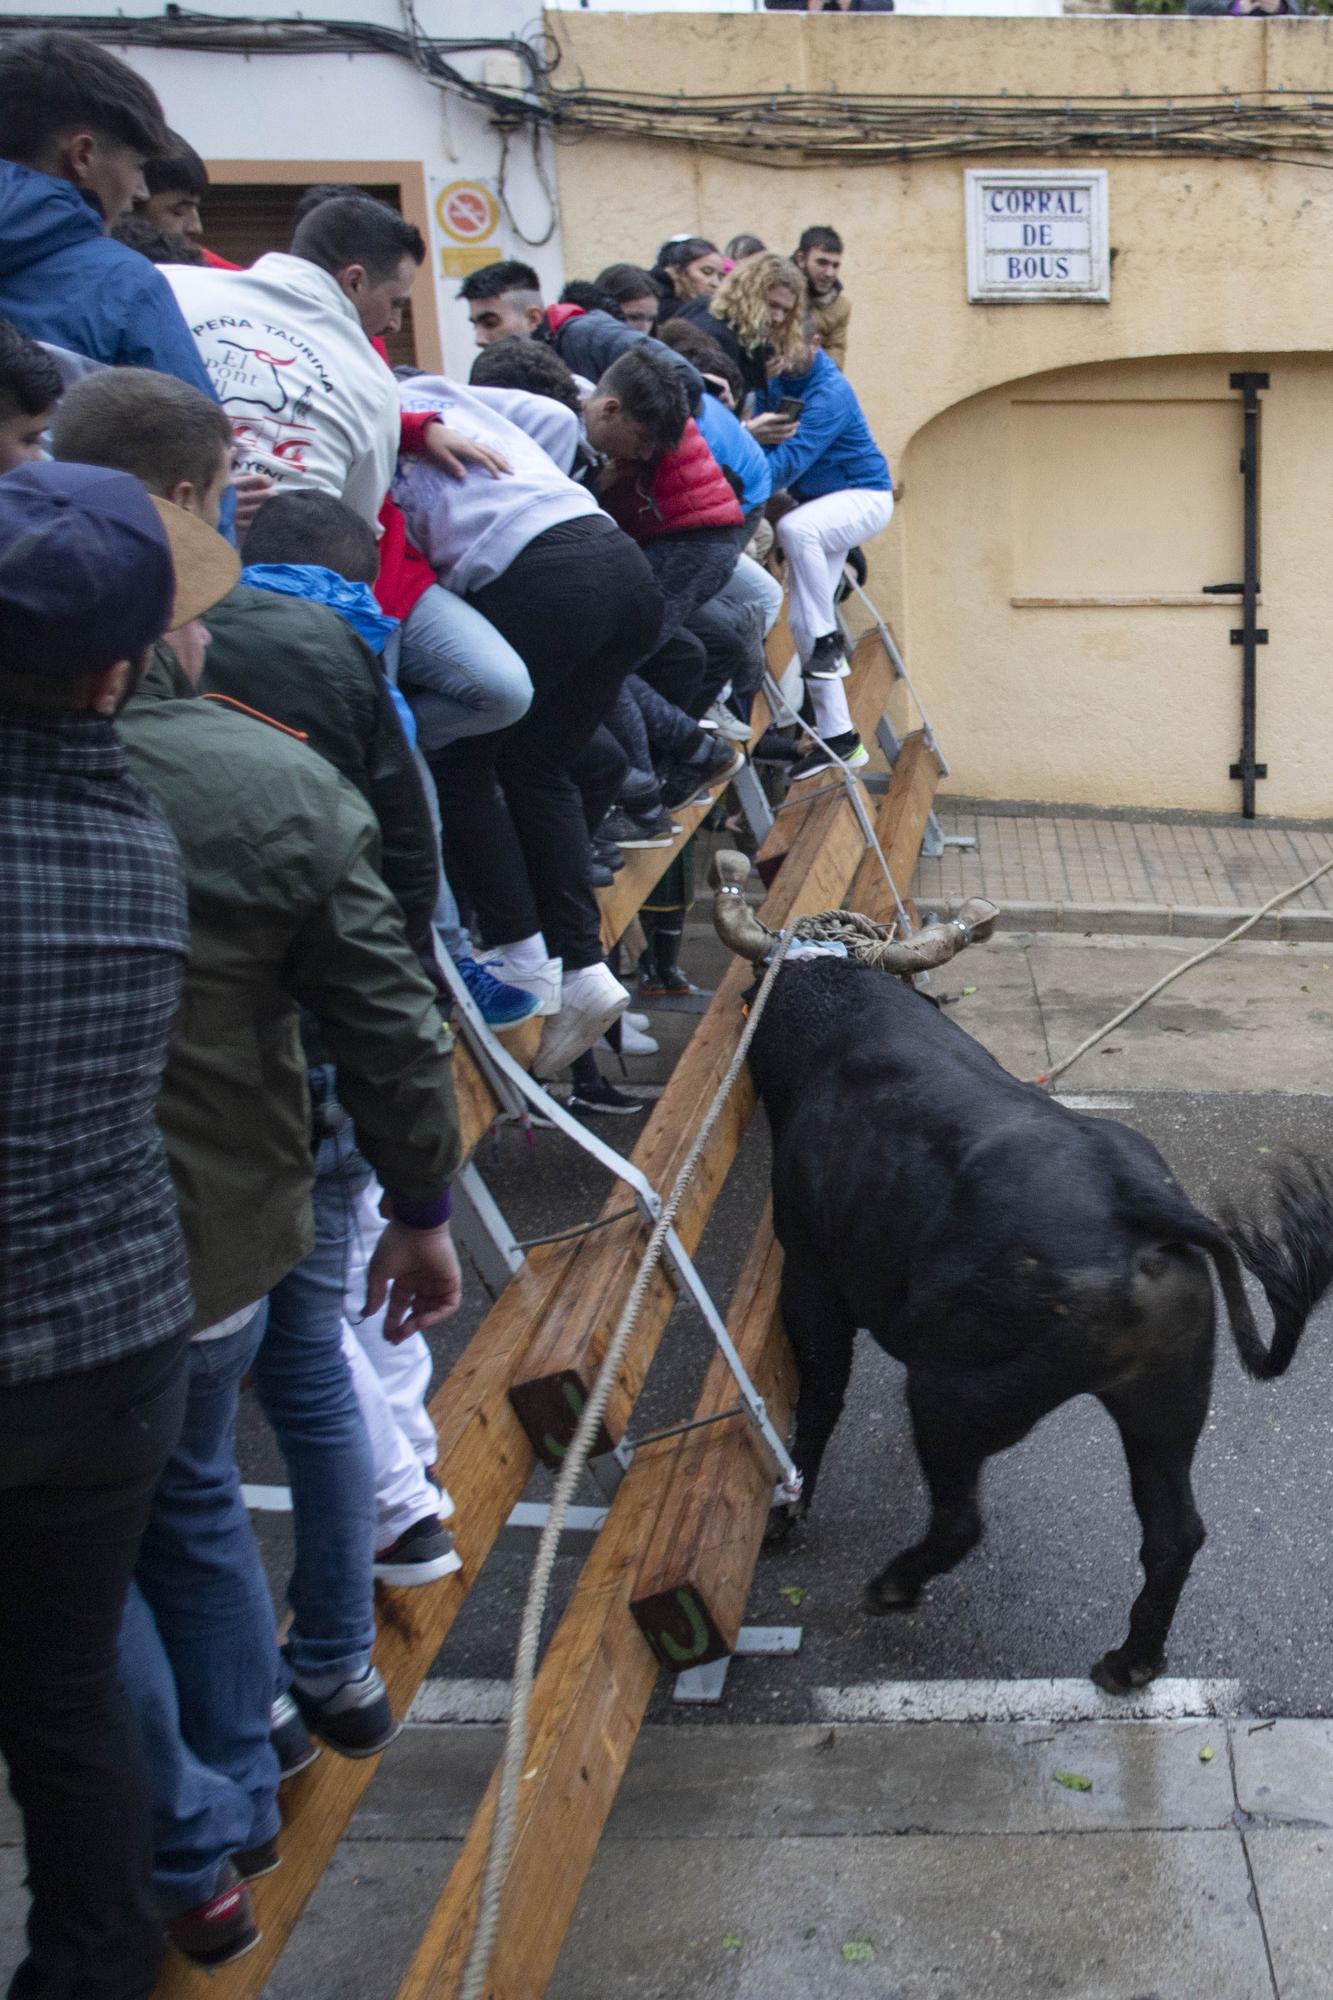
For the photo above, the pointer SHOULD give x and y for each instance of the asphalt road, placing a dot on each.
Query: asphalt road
(1050, 1587)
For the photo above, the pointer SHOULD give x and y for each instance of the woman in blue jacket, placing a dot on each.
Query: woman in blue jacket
(838, 476)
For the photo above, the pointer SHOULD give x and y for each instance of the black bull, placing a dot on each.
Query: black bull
(1011, 1254)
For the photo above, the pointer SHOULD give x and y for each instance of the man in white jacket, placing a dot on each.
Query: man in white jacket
(287, 348)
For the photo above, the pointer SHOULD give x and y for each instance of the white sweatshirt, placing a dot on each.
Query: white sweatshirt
(309, 399)
(471, 529)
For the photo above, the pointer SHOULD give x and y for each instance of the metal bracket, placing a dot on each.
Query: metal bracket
(754, 805)
(1256, 770)
(705, 1684)
(481, 1227)
(1260, 635)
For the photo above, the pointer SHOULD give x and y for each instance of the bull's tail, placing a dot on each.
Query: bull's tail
(1292, 1258)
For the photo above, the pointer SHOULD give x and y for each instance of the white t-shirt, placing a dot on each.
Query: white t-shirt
(310, 401)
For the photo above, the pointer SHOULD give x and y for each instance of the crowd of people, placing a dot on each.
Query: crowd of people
(314, 675)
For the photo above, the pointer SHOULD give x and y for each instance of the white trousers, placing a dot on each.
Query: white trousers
(815, 538)
(391, 1384)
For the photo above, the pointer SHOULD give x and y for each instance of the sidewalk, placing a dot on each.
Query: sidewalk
(1053, 871)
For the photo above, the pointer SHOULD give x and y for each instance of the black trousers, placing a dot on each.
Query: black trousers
(79, 1459)
(579, 606)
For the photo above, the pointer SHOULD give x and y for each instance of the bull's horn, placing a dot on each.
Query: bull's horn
(734, 921)
(937, 944)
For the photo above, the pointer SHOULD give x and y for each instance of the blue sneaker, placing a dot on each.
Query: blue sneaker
(501, 1005)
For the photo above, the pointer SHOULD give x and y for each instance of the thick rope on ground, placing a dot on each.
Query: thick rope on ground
(516, 1738)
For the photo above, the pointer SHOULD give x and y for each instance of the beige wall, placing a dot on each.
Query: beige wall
(1225, 262)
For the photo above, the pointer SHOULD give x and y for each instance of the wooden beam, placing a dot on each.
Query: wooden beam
(690, 1592)
(899, 825)
(553, 1384)
(486, 1460)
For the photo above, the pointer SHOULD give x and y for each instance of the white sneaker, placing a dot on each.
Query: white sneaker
(723, 721)
(633, 1020)
(633, 1041)
(544, 984)
(592, 999)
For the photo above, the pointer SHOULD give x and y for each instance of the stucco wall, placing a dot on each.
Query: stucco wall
(1221, 258)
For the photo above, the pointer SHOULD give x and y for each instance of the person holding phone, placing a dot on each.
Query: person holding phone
(830, 465)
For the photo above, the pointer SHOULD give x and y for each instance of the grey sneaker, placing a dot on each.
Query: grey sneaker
(422, 1554)
(290, 1738)
(355, 1720)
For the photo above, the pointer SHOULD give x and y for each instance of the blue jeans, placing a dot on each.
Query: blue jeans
(305, 1388)
(198, 1653)
(459, 676)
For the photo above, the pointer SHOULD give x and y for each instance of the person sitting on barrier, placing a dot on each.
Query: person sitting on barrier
(818, 257)
(686, 267)
(534, 554)
(756, 312)
(840, 481)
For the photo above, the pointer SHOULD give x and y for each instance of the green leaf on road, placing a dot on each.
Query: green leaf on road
(793, 1592)
(731, 1941)
(1265, 1149)
(1207, 1754)
(968, 991)
(1071, 1781)
(858, 1951)
(1305, 989)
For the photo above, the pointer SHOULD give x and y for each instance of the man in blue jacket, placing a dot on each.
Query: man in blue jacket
(76, 126)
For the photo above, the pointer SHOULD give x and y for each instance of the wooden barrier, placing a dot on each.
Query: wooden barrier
(537, 1348)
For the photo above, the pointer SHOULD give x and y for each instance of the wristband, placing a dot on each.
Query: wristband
(430, 1214)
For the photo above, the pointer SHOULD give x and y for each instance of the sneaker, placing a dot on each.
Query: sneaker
(422, 1554)
(828, 660)
(723, 721)
(600, 876)
(290, 1738)
(684, 784)
(671, 984)
(501, 1005)
(544, 984)
(846, 749)
(355, 1720)
(775, 748)
(631, 1040)
(593, 998)
(220, 1930)
(601, 1096)
(253, 1862)
(650, 829)
(633, 1020)
(608, 854)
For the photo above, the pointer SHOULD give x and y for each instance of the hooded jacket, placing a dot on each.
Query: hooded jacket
(63, 281)
(830, 313)
(287, 906)
(309, 399)
(831, 449)
(588, 342)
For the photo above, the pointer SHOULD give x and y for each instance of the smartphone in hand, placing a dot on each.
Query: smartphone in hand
(791, 407)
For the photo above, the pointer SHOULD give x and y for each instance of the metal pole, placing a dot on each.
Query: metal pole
(1249, 637)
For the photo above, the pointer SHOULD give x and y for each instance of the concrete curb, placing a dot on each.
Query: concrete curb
(1153, 919)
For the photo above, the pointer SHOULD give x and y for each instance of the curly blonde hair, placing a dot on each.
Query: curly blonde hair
(742, 301)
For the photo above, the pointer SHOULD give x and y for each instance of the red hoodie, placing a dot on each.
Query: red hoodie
(405, 575)
(686, 490)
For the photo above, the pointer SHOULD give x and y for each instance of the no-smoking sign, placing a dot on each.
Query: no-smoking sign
(467, 211)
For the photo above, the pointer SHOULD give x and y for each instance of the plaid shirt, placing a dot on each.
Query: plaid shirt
(93, 941)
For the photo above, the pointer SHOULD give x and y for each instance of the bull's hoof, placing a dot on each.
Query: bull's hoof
(882, 1596)
(1114, 1676)
(782, 1525)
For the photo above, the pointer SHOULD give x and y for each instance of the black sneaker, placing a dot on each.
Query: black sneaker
(602, 1096)
(355, 1720)
(422, 1554)
(774, 747)
(683, 784)
(608, 854)
(290, 1738)
(220, 1930)
(252, 1862)
(828, 660)
(626, 829)
(599, 874)
(666, 983)
(846, 749)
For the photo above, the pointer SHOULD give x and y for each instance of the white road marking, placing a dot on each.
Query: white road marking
(1022, 1701)
(1087, 1101)
(267, 1499)
(460, 1700)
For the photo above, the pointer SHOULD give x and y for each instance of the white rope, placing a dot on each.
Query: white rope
(1126, 1013)
(516, 1738)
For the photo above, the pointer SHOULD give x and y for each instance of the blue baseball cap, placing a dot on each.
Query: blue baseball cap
(86, 571)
